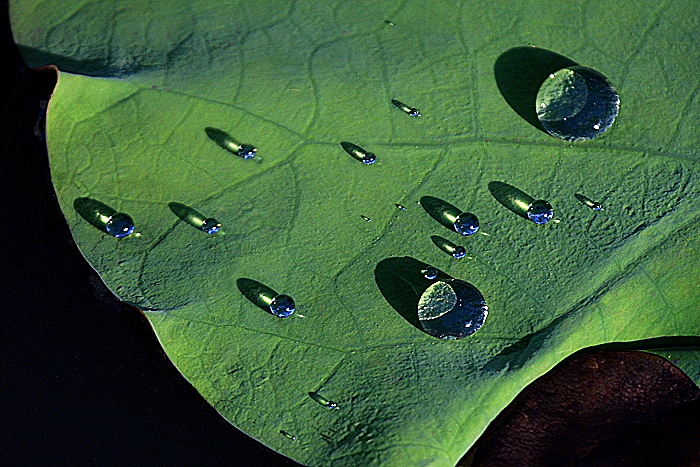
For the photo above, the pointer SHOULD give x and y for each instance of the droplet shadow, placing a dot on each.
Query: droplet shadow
(440, 210)
(448, 247)
(401, 282)
(223, 139)
(189, 215)
(520, 72)
(512, 198)
(94, 212)
(258, 293)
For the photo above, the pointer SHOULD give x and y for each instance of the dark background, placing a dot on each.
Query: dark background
(83, 379)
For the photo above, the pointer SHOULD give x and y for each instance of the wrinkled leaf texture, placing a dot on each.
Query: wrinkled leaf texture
(141, 81)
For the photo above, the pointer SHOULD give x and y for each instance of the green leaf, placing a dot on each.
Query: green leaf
(128, 129)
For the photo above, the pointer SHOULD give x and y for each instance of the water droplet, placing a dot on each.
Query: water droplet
(120, 225)
(365, 218)
(246, 151)
(400, 207)
(456, 251)
(430, 272)
(210, 225)
(288, 435)
(540, 211)
(577, 104)
(226, 141)
(466, 224)
(282, 306)
(411, 111)
(452, 309)
(596, 206)
(323, 401)
(390, 23)
(450, 216)
(359, 153)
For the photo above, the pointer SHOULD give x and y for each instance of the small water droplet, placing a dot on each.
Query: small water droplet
(452, 309)
(226, 141)
(400, 207)
(323, 401)
(390, 23)
(120, 225)
(246, 151)
(596, 206)
(288, 435)
(466, 224)
(411, 111)
(282, 306)
(540, 211)
(210, 225)
(365, 218)
(359, 153)
(456, 251)
(577, 104)
(430, 272)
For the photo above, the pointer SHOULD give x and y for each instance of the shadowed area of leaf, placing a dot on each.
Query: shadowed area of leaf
(608, 408)
(520, 72)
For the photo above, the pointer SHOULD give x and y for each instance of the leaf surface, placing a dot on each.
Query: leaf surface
(142, 82)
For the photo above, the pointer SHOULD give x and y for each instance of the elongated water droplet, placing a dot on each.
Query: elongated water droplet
(456, 251)
(596, 206)
(400, 207)
(120, 225)
(452, 309)
(195, 218)
(365, 218)
(540, 211)
(466, 224)
(323, 401)
(282, 306)
(390, 23)
(359, 153)
(226, 141)
(430, 272)
(288, 435)
(411, 111)
(577, 104)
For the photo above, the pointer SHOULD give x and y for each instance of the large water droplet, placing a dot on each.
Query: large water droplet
(120, 225)
(577, 104)
(452, 309)
(540, 211)
(282, 306)
(466, 224)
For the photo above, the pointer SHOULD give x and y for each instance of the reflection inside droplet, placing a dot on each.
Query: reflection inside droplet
(120, 225)
(210, 225)
(246, 151)
(466, 224)
(430, 272)
(452, 309)
(329, 404)
(540, 211)
(577, 104)
(282, 306)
